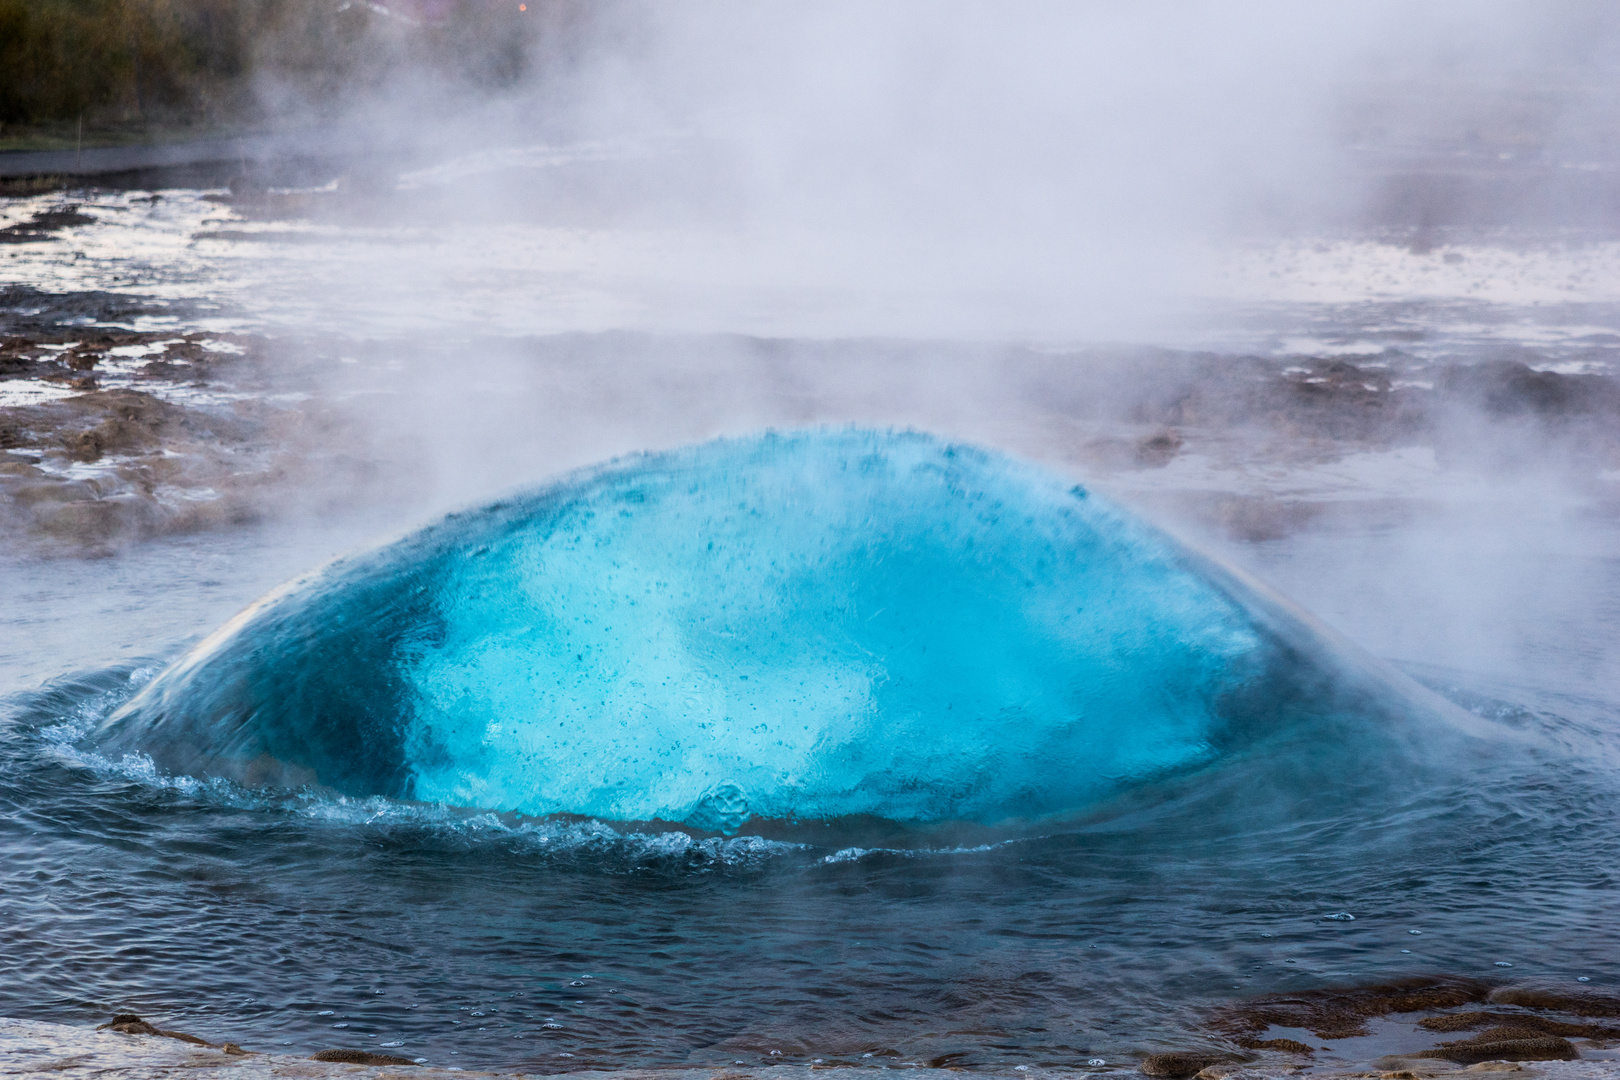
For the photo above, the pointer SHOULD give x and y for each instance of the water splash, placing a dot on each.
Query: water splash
(822, 625)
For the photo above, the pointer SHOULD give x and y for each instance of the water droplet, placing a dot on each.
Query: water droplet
(1503, 963)
(1340, 916)
(1100, 1061)
(576, 982)
(1415, 933)
(1583, 978)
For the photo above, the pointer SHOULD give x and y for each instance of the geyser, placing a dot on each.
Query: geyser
(801, 627)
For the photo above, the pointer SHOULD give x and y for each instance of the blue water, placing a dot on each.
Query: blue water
(848, 745)
(789, 628)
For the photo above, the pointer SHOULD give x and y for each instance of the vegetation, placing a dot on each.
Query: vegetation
(122, 66)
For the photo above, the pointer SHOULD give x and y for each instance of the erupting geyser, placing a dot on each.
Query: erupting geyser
(802, 626)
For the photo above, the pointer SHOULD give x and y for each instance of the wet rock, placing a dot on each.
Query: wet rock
(1178, 1065)
(1469, 1021)
(1545, 1048)
(1343, 1013)
(130, 1024)
(1291, 1046)
(1556, 1000)
(360, 1057)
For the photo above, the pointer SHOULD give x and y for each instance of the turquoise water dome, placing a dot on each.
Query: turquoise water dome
(798, 627)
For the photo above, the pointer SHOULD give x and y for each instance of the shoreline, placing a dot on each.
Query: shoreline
(32, 1047)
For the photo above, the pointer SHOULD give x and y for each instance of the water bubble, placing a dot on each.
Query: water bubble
(863, 1055)
(1020, 1068)
(613, 991)
(1100, 1061)
(1503, 963)
(1340, 916)
(565, 1055)
(816, 1061)
(421, 1061)
(327, 1012)
(479, 1013)
(1582, 978)
(371, 1036)
(1265, 935)
(577, 1002)
(576, 982)
(550, 1024)
(344, 1024)
(776, 1053)
(396, 1042)
(1288, 961)
(587, 976)
(1415, 933)
(1406, 950)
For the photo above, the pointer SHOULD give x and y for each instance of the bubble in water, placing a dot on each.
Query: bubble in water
(1265, 935)
(342, 1025)
(1415, 933)
(869, 584)
(1406, 950)
(1583, 978)
(327, 1012)
(1096, 1061)
(396, 1042)
(1503, 963)
(1020, 1068)
(1340, 916)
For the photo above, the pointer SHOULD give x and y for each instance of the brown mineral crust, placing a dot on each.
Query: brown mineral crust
(1468, 1021)
(1177, 1065)
(1578, 1004)
(1544, 1048)
(130, 1024)
(360, 1057)
(1343, 1013)
(1292, 1046)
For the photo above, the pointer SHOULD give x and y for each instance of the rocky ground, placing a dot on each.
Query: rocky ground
(112, 430)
